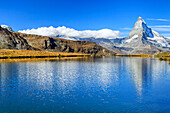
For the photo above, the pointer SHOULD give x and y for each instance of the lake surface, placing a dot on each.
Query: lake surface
(116, 84)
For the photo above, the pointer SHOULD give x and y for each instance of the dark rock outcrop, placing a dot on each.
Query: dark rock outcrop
(10, 40)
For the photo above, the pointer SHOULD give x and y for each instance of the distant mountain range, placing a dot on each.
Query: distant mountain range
(141, 40)
(21, 41)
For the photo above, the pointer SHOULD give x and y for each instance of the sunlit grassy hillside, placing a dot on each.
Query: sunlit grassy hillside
(8, 53)
(163, 56)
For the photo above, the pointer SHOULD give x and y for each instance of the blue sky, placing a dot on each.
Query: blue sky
(86, 14)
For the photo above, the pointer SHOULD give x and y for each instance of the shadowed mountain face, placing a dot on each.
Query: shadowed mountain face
(15, 40)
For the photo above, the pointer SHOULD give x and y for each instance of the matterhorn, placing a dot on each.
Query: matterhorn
(141, 33)
(142, 40)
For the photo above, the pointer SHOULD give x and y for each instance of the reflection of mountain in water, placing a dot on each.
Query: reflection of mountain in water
(141, 73)
(64, 76)
(144, 72)
(6, 73)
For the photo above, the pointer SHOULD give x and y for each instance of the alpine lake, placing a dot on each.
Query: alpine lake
(108, 84)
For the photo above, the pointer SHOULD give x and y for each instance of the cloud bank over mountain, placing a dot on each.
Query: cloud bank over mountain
(69, 32)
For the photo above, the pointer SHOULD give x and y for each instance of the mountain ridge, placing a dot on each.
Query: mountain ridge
(141, 40)
(16, 40)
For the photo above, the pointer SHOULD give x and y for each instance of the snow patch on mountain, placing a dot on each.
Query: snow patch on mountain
(159, 39)
(129, 40)
(6, 27)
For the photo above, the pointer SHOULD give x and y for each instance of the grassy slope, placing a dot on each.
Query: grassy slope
(136, 55)
(63, 45)
(8, 53)
(163, 56)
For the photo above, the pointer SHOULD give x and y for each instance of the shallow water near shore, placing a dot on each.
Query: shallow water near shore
(113, 84)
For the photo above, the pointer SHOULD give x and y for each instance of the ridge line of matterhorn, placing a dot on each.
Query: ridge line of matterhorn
(143, 39)
(142, 34)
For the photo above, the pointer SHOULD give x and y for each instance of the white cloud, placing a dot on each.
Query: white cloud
(161, 27)
(126, 28)
(69, 32)
(167, 35)
(157, 19)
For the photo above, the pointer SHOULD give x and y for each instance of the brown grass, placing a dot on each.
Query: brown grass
(165, 56)
(40, 59)
(135, 55)
(8, 53)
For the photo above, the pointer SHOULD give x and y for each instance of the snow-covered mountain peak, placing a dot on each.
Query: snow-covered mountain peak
(6, 27)
(141, 29)
(141, 20)
(143, 34)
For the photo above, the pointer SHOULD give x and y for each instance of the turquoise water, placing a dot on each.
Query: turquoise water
(116, 84)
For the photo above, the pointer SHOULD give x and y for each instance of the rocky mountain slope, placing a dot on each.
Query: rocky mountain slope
(63, 45)
(16, 40)
(9, 40)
